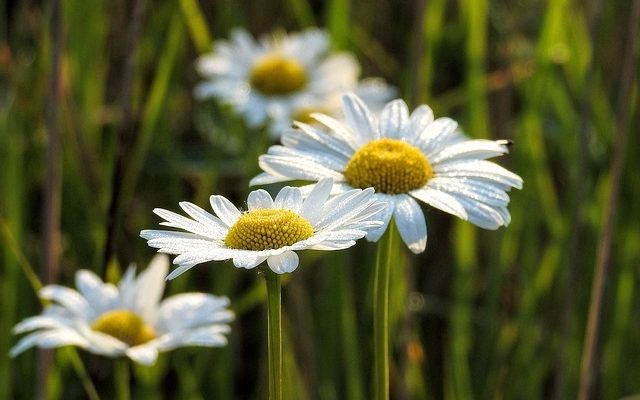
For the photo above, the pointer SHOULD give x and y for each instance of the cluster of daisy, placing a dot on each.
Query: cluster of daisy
(367, 162)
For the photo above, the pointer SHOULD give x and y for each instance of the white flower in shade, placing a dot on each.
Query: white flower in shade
(270, 230)
(281, 77)
(404, 157)
(126, 320)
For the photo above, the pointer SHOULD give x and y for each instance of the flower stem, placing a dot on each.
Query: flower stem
(78, 366)
(121, 376)
(384, 256)
(275, 335)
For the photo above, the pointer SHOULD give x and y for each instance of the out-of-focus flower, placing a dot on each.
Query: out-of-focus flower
(126, 320)
(283, 77)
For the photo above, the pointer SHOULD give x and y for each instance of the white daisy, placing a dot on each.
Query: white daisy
(279, 78)
(404, 157)
(126, 320)
(270, 230)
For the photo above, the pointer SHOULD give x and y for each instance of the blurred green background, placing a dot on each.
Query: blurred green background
(486, 315)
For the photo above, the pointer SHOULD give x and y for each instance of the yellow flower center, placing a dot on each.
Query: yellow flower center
(125, 326)
(389, 166)
(267, 228)
(304, 114)
(278, 75)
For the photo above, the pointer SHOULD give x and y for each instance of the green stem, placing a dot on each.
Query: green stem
(384, 256)
(121, 376)
(275, 335)
(78, 366)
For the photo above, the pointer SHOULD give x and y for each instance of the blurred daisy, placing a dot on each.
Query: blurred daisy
(126, 320)
(270, 230)
(404, 158)
(280, 78)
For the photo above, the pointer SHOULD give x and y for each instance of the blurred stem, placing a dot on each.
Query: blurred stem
(53, 183)
(274, 309)
(126, 133)
(579, 183)
(196, 22)
(121, 376)
(11, 244)
(80, 369)
(349, 330)
(629, 68)
(384, 253)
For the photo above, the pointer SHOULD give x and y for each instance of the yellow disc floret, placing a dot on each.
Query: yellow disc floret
(267, 228)
(388, 166)
(125, 326)
(304, 114)
(278, 75)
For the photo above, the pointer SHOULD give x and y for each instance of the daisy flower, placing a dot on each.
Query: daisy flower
(405, 158)
(126, 320)
(271, 230)
(280, 77)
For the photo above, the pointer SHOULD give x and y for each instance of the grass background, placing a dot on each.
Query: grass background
(487, 315)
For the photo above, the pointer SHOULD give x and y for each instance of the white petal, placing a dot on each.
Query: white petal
(359, 119)
(473, 189)
(192, 310)
(346, 234)
(411, 223)
(248, 260)
(340, 142)
(338, 129)
(296, 168)
(178, 221)
(440, 200)
(312, 206)
(420, 119)
(157, 234)
(481, 214)
(342, 207)
(470, 149)
(225, 210)
(150, 287)
(100, 296)
(180, 270)
(265, 179)
(384, 216)
(177, 245)
(41, 322)
(209, 336)
(323, 156)
(69, 299)
(437, 133)
(283, 263)
(259, 199)
(101, 343)
(480, 169)
(214, 223)
(49, 339)
(337, 71)
(127, 288)
(375, 92)
(145, 354)
(329, 245)
(504, 213)
(394, 119)
(288, 198)
(204, 255)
